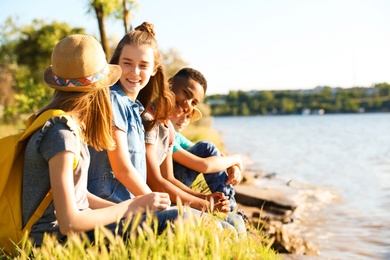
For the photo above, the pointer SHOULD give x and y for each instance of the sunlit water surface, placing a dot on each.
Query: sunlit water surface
(347, 159)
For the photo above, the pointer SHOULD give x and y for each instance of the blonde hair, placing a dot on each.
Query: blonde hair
(157, 89)
(92, 111)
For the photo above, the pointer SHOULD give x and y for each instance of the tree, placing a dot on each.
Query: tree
(30, 54)
(287, 106)
(232, 96)
(255, 105)
(102, 9)
(6, 90)
(350, 105)
(37, 42)
(244, 109)
(384, 89)
(9, 34)
(326, 93)
(128, 6)
(119, 9)
(173, 62)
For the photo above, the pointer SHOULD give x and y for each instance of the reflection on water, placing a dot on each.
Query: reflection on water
(346, 157)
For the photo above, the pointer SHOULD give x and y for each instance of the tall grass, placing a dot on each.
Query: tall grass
(188, 238)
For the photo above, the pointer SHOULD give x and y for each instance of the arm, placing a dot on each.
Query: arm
(166, 169)
(71, 219)
(96, 202)
(122, 167)
(220, 201)
(157, 182)
(234, 175)
(210, 164)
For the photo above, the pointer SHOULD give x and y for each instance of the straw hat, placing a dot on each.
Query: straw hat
(79, 64)
(196, 115)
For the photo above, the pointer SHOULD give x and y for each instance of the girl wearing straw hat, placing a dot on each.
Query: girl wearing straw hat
(80, 76)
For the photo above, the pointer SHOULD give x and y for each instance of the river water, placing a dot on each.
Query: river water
(345, 156)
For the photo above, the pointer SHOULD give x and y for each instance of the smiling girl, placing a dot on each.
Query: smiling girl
(120, 174)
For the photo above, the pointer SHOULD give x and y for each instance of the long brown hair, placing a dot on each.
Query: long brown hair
(92, 110)
(157, 89)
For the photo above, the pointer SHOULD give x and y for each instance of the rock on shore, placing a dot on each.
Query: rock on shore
(269, 203)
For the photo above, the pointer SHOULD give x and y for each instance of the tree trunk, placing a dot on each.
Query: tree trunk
(126, 16)
(103, 37)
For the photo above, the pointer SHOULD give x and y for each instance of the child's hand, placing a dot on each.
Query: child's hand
(222, 206)
(234, 175)
(154, 201)
(216, 196)
(219, 202)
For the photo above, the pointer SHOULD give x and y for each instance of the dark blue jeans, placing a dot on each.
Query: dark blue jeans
(216, 181)
(163, 217)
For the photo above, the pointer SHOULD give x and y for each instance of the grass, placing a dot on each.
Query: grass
(191, 238)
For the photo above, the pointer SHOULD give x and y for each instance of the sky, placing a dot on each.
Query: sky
(252, 44)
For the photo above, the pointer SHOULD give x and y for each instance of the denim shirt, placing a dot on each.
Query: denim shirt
(101, 179)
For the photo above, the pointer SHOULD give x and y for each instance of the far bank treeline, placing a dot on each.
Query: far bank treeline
(319, 100)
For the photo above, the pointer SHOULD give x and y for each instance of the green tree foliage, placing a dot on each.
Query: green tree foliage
(8, 36)
(244, 109)
(287, 105)
(8, 66)
(36, 43)
(25, 54)
(331, 100)
(383, 89)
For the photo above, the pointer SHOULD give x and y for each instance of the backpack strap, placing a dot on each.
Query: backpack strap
(39, 211)
(33, 125)
(76, 129)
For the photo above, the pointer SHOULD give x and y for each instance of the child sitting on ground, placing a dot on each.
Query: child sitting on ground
(220, 172)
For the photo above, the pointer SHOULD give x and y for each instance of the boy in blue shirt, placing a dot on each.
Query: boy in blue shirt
(220, 172)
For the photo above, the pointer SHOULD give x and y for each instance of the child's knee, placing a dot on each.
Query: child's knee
(210, 147)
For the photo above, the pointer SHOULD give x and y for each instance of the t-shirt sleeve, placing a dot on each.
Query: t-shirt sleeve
(176, 146)
(57, 138)
(181, 142)
(150, 136)
(177, 142)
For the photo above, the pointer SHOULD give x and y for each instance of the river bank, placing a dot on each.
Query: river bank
(271, 205)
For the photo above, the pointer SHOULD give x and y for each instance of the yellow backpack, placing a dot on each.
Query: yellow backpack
(11, 176)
